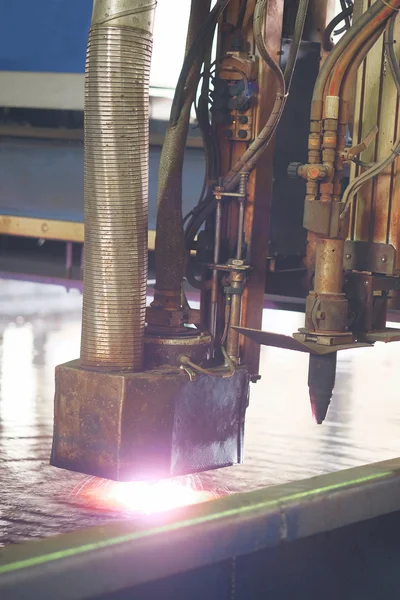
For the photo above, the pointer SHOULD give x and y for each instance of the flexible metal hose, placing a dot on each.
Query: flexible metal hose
(392, 58)
(376, 168)
(346, 48)
(116, 183)
(170, 243)
(296, 42)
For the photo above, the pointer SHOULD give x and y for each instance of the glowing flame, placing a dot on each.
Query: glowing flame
(142, 497)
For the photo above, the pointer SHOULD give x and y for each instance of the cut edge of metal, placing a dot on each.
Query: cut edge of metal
(83, 564)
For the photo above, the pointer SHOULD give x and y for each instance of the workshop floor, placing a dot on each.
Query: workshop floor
(40, 328)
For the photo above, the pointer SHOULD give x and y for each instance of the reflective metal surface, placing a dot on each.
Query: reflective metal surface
(116, 184)
(40, 327)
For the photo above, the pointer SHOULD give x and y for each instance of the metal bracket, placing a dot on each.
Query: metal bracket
(265, 338)
(323, 219)
(373, 258)
(386, 335)
(351, 153)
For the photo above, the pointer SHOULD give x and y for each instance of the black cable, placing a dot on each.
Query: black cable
(327, 42)
(241, 15)
(345, 4)
(196, 49)
(205, 209)
(296, 43)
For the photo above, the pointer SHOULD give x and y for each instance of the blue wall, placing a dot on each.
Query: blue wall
(44, 35)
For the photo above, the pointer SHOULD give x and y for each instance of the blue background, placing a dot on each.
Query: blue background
(44, 35)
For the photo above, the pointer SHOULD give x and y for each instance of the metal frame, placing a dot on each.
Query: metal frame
(50, 229)
(103, 560)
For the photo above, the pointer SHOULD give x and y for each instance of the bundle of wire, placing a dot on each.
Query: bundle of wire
(247, 162)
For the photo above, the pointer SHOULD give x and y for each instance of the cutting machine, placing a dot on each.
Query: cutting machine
(162, 390)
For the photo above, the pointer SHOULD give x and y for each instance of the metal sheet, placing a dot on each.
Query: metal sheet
(40, 327)
(107, 559)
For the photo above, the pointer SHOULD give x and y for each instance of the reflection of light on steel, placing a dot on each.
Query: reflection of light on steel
(18, 379)
(142, 497)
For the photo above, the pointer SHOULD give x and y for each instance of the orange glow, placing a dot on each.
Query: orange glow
(142, 497)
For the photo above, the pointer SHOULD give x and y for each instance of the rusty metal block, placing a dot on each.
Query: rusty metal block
(323, 219)
(373, 258)
(150, 425)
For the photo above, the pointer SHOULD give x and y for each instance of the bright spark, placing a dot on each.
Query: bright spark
(143, 497)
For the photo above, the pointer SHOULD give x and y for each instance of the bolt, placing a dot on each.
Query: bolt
(348, 256)
(384, 259)
(237, 262)
(45, 227)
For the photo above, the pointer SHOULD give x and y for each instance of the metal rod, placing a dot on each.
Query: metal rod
(236, 283)
(214, 288)
(243, 194)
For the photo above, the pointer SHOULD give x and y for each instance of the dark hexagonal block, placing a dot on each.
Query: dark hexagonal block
(150, 425)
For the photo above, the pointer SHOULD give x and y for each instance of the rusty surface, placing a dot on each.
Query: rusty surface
(329, 267)
(150, 425)
(259, 199)
(368, 300)
(376, 211)
(166, 351)
(370, 257)
(40, 327)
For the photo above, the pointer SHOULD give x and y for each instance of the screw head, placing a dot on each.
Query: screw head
(236, 262)
(348, 256)
(384, 259)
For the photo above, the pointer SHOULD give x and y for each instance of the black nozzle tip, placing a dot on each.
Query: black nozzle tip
(321, 382)
(320, 402)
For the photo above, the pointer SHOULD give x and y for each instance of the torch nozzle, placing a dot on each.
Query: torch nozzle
(321, 381)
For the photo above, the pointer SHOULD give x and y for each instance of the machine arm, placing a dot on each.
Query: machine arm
(163, 391)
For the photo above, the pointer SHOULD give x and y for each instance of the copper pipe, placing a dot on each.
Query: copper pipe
(329, 267)
(337, 74)
(232, 346)
(116, 184)
(359, 33)
(351, 75)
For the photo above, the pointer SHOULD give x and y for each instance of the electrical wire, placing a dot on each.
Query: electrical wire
(374, 171)
(244, 163)
(226, 374)
(205, 34)
(249, 159)
(345, 4)
(386, 162)
(205, 209)
(392, 59)
(327, 42)
(241, 15)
